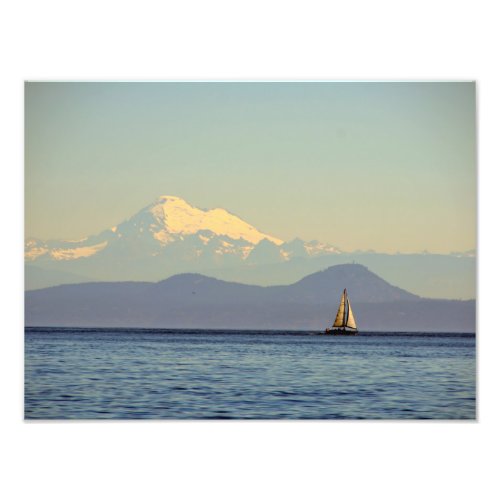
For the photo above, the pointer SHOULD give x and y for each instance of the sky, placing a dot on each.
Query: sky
(384, 166)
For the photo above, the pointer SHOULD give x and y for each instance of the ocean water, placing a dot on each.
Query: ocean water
(172, 374)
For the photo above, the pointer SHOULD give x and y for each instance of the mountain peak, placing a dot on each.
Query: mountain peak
(167, 199)
(174, 215)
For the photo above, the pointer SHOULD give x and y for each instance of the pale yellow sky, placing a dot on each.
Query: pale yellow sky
(383, 166)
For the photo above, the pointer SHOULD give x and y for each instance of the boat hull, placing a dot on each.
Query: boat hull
(340, 332)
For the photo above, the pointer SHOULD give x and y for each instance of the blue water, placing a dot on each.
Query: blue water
(171, 374)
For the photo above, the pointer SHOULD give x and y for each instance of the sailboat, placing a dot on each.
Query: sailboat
(345, 323)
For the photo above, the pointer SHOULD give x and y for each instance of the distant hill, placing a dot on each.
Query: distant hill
(197, 301)
(425, 274)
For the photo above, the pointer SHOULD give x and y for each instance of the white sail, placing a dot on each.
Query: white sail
(339, 320)
(351, 321)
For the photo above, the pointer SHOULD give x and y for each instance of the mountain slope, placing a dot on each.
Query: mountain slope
(196, 301)
(168, 220)
(167, 237)
(173, 215)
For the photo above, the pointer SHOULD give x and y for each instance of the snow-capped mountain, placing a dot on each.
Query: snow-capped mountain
(166, 237)
(170, 236)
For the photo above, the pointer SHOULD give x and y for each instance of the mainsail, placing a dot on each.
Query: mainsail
(339, 320)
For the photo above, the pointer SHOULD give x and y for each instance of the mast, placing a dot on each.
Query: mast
(346, 301)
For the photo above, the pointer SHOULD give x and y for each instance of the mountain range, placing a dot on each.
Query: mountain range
(197, 301)
(170, 237)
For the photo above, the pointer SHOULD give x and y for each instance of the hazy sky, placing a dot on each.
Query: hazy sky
(384, 166)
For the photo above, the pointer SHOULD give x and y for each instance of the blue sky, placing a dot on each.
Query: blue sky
(384, 166)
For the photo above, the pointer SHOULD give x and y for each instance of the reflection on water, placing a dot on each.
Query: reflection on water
(119, 373)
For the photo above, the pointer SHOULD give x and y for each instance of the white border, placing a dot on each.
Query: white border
(247, 40)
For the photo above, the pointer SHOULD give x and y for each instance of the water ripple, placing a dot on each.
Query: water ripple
(141, 374)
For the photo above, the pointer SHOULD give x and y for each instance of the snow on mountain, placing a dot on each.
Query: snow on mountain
(173, 215)
(34, 248)
(60, 250)
(314, 248)
(299, 248)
